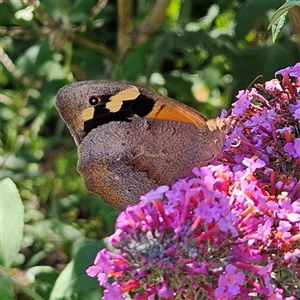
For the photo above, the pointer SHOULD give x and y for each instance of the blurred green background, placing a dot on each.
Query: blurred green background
(200, 52)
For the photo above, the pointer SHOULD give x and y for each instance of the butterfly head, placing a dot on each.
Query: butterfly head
(218, 129)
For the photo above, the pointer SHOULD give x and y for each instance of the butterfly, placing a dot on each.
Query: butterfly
(131, 139)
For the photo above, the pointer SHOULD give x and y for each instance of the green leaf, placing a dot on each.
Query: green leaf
(73, 280)
(277, 26)
(12, 222)
(6, 288)
(282, 9)
(34, 58)
(135, 64)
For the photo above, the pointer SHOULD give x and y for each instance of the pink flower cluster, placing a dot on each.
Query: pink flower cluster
(233, 232)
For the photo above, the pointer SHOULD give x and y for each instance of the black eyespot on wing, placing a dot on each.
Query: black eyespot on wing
(93, 100)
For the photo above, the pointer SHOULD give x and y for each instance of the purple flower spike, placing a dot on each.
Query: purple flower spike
(232, 232)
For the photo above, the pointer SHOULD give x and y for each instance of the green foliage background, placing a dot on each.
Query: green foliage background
(198, 52)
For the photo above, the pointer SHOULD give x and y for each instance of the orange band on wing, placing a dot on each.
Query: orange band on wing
(177, 113)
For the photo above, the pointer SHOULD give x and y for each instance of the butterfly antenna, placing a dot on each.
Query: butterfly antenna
(248, 88)
(253, 81)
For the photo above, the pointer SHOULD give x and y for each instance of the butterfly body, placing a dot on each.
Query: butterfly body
(131, 140)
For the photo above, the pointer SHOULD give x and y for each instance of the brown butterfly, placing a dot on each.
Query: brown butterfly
(131, 140)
